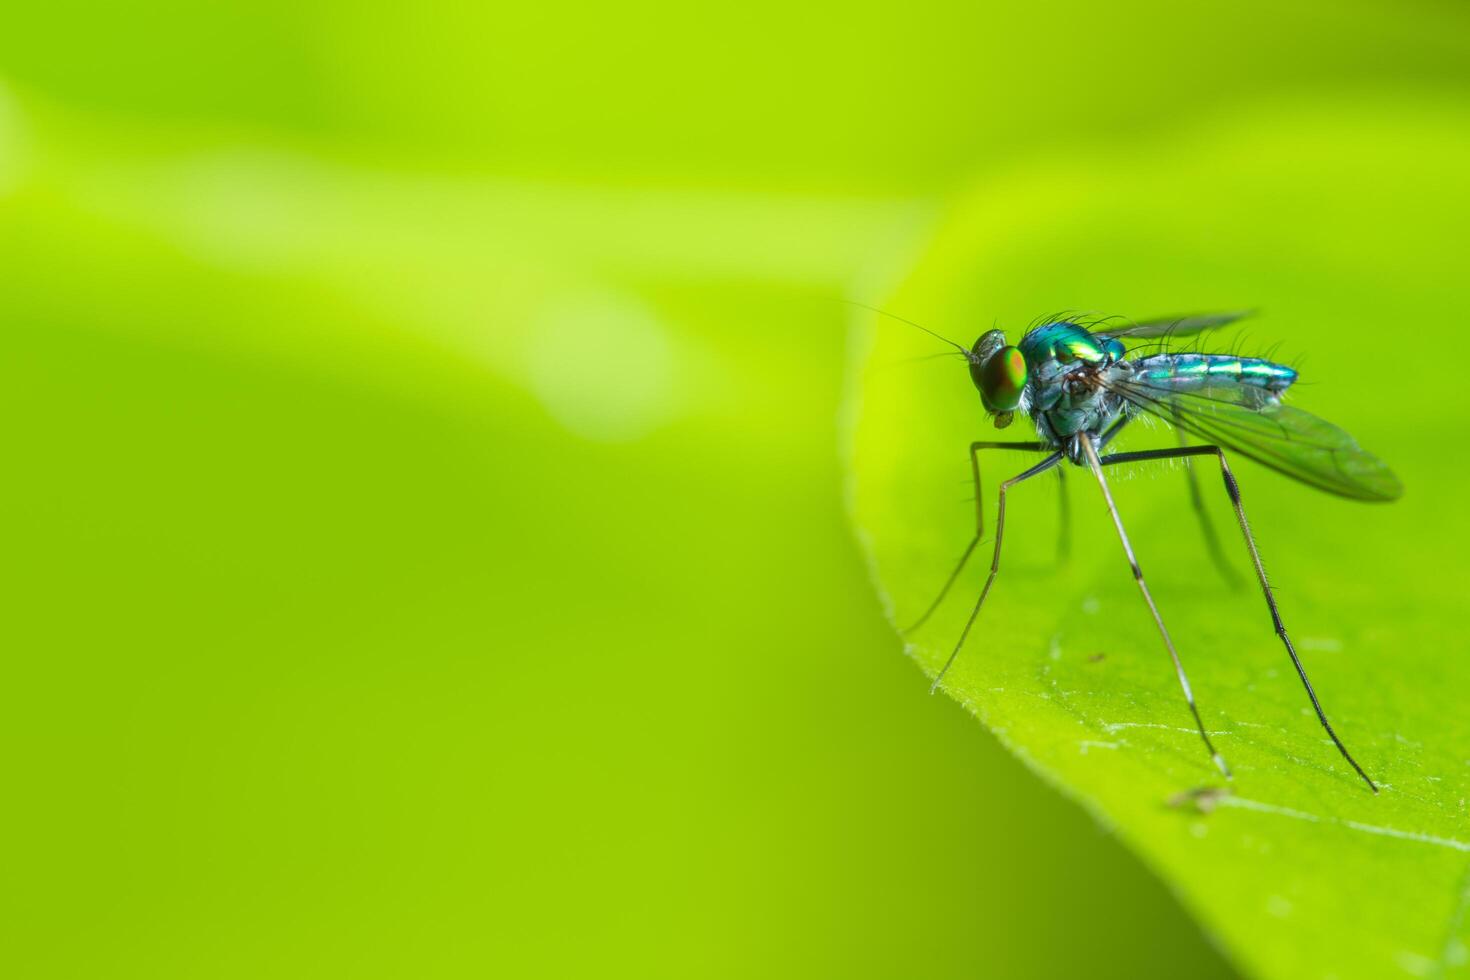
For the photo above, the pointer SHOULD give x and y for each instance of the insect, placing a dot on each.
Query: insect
(1081, 385)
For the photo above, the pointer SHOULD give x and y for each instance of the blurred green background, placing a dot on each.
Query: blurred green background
(424, 543)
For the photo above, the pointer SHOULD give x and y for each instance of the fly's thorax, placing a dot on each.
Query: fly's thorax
(1063, 366)
(1066, 362)
(1075, 398)
(1091, 411)
(1069, 344)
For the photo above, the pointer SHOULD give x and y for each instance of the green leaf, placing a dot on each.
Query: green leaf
(1299, 871)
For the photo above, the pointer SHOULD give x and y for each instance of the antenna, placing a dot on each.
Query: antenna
(893, 316)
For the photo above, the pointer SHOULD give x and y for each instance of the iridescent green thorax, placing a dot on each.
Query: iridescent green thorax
(1066, 390)
(1068, 343)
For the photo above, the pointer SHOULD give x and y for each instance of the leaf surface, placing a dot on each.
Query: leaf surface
(1298, 871)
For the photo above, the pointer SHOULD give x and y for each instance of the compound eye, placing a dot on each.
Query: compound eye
(1002, 377)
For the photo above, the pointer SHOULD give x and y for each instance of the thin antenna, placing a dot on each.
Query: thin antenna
(928, 357)
(893, 316)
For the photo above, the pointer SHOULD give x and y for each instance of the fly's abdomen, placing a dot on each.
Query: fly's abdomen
(1191, 372)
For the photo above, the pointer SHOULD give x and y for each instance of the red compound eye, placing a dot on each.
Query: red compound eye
(1001, 379)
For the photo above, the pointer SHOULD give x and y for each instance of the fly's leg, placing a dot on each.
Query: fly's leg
(1092, 461)
(1233, 489)
(1064, 518)
(975, 448)
(1064, 521)
(1064, 510)
(1207, 531)
(1207, 527)
(1000, 526)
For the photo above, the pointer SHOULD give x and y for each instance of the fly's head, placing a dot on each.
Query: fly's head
(999, 372)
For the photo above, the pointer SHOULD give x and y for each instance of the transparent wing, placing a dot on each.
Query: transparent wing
(1179, 326)
(1254, 423)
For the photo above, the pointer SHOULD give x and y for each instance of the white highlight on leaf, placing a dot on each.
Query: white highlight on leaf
(604, 366)
(1415, 963)
(1117, 726)
(1086, 744)
(1367, 828)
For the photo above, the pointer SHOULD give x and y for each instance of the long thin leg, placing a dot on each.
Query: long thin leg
(1207, 527)
(1233, 489)
(1064, 518)
(1102, 482)
(975, 448)
(1000, 527)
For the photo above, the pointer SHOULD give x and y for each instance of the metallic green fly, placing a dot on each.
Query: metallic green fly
(1080, 384)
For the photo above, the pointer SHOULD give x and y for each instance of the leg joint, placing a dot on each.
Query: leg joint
(1232, 489)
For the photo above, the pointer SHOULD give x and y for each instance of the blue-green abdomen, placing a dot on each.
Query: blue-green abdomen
(1191, 372)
